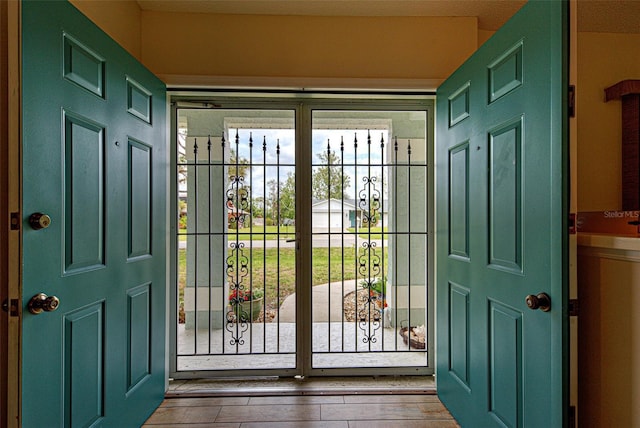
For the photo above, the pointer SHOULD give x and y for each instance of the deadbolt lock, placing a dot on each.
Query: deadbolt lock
(39, 221)
(43, 303)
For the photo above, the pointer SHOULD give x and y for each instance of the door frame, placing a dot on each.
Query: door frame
(395, 102)
(303, 103)
(10, 194)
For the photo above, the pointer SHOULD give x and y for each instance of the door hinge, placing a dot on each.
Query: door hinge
(572, 101)
(572, 223)
(12, 308)
(15, 221)
(574, 307)
(572, 416)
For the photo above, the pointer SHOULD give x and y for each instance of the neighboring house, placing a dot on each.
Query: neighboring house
(332, 215)
(236, 216)
(338, 215)
(361, 207)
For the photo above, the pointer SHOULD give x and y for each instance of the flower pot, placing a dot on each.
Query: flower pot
(248, 310)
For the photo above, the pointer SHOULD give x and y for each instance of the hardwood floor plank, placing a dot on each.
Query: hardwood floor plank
(435, 410)
(378, 411)
(279, 413)
(297, 399)
(207, 401)
(184, 415)
(371, 399)
(303, 411)
(211, 425)
(299, 424)
(421, 423)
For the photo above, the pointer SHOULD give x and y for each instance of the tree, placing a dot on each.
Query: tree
(238, 167)
(282, 198)
(329, 180)
(238, 186)
(288, 198)
(257, 206)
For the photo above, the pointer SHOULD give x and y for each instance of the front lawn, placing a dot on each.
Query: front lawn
(279, 275)
(256, 233)
(373, 233)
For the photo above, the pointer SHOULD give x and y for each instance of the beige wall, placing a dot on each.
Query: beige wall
(120, 19)
(603, 60)
(183, 48)
(192, 49)
(306, 46)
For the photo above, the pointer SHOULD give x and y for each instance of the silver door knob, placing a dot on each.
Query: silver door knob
(43, 303)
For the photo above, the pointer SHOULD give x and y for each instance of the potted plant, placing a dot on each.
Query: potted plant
(246, 304)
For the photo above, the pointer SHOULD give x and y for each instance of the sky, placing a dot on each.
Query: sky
(285, 138)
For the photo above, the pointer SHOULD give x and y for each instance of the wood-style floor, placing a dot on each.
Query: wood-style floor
(303, 411)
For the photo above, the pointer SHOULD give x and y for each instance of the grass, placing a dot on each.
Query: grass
(366, 233)
(256, 233)
(286, 232)
(279, 277)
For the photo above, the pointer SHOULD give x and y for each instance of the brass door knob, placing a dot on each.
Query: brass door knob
(541, 301)
(39, 221)
(43, 303)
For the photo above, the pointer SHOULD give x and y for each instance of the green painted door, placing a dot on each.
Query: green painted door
(501, 222)
(94, 160)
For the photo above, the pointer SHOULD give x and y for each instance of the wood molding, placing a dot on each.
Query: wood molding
(4, 135)
(12, 168)
(622, 88)
(629, 92)
(298, 83)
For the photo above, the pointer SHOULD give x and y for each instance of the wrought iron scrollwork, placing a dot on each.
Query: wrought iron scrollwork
(370, 313)
(237, 269)
(370, 258)
(369, 201)
(237, 263)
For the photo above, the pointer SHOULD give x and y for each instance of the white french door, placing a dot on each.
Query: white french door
(302, 237)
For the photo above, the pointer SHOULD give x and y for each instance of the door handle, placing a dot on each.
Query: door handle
(39, 221)
(43, 303)
(541, 301)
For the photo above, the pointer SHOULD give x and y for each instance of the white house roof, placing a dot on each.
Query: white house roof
(332, 205)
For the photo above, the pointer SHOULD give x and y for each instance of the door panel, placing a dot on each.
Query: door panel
(94, 160)
(502, 205)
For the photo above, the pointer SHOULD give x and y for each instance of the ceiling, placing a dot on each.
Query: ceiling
(609, 16)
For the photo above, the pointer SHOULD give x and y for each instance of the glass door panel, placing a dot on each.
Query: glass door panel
(370, 240)
(302, 250)
(236, 259)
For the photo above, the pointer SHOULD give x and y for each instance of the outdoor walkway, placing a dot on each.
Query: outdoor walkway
(336, 343)
(272, 346)
(322, 296)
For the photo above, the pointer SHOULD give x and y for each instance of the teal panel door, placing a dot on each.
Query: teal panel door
(502, 199)
(94, 161)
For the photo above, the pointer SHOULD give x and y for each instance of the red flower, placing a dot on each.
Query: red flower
(238, 295)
